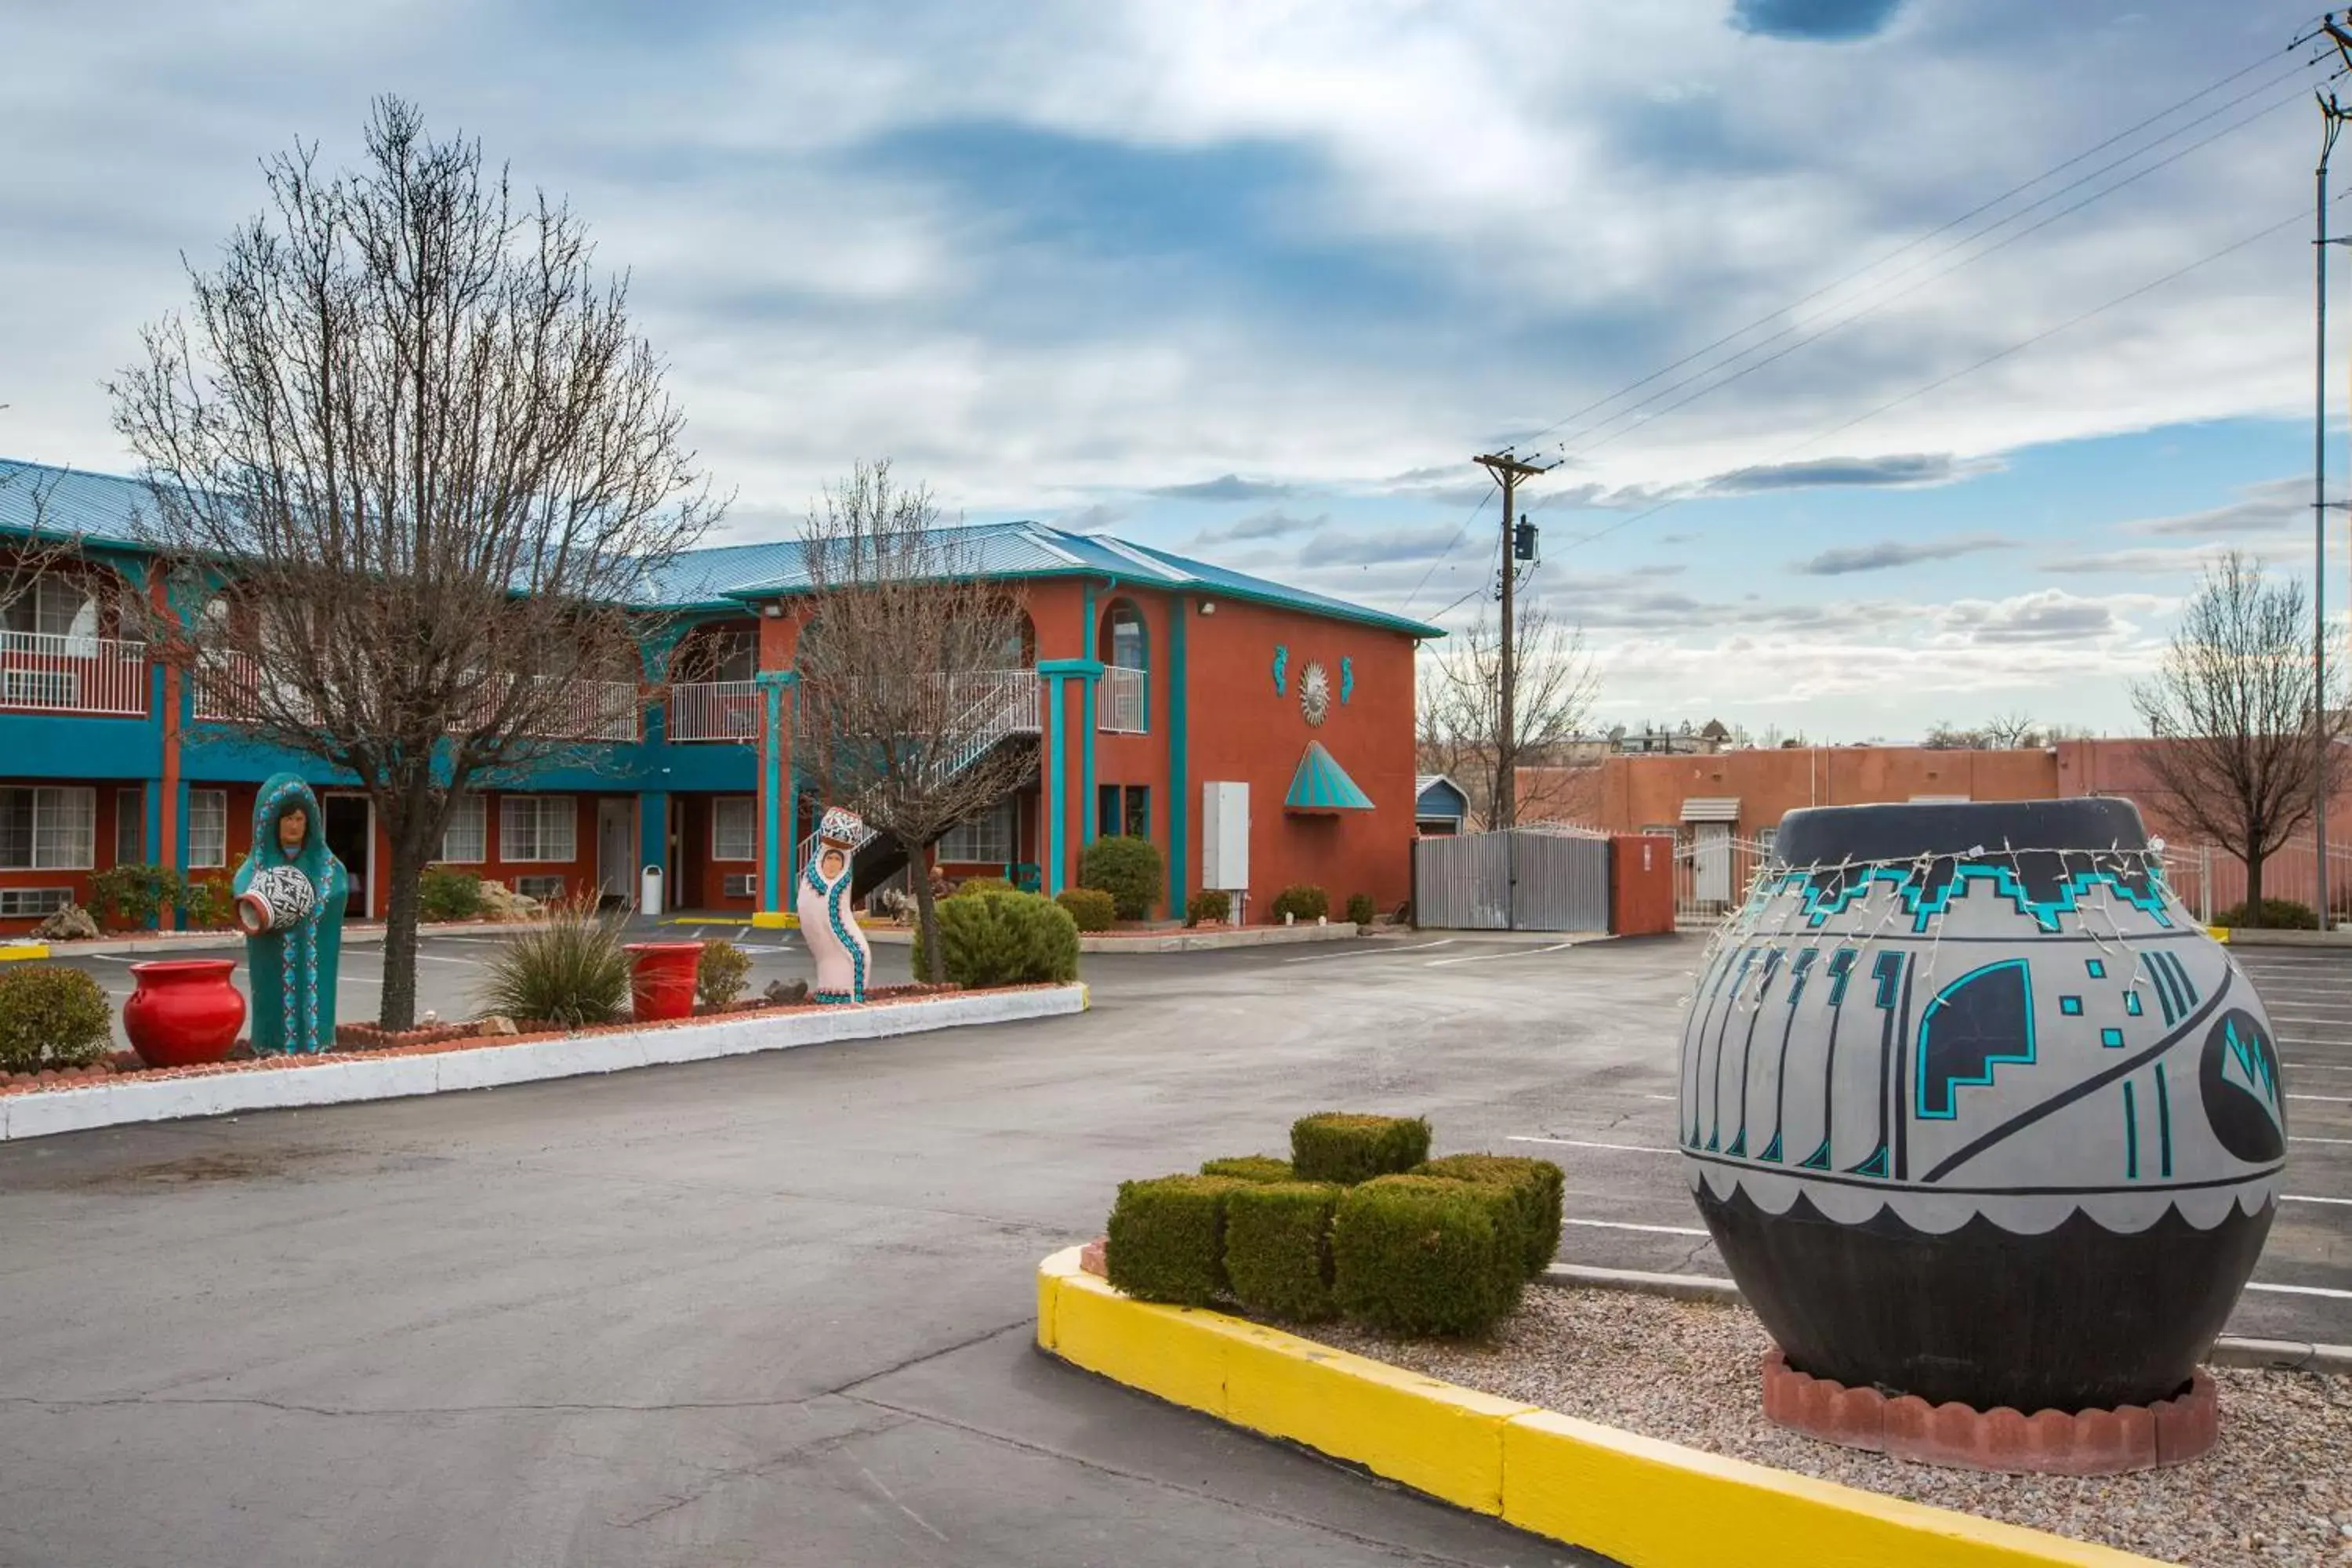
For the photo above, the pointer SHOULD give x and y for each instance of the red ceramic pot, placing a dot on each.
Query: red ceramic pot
(184, 1011)
(661, 979)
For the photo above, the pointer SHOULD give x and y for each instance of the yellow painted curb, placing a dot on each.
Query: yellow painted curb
(1644, 1502)
(774, 920)
(24, 949)
(2218, 933)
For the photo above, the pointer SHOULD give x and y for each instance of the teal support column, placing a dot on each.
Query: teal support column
(1053, 881)
(1180, 785)
(775, 813)
(1058, 673)
(653, 839)
(151, 803)
(1087, 771)
(792, 800)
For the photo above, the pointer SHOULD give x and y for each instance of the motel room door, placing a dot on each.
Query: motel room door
(616, 851)
(1711, 862)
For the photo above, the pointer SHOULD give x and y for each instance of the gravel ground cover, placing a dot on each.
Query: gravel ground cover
(2277, 1488)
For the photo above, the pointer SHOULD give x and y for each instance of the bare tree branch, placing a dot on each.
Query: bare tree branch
(2244, 736)
(914, 695)
(1462, 713)
(411, 466)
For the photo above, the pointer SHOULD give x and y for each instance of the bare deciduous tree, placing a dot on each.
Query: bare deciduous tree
(2244, 737)
(912, 709)
(1462, 713)
(39, 546)
(409, 426)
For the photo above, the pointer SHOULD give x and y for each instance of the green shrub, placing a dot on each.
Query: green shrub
(1303, 901)
(51, 1018)
(1251, 1168)
(208, 902)
(1211, 906)
(1130, 869)
(1167, 1239)
(1279, 1247)
(570, 972)
(720, 973)
(2275, 914)
(131, 896)
(1002, 939)
(446, 894)
(982, 884)
(1359, 909)
(1416, 1255)
(1334, 1146)
(1091, 908)
(1534, 1187)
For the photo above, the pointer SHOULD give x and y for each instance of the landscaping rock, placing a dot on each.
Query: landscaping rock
(500, 902)
(71, 924)
(498, 1024)
(784, 995)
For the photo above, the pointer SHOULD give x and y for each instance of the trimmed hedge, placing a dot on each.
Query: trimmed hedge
(2275, 914)
(1167, 1239)
(1421, 1255)
(1091, 908)
(447, 893)
(1303, 901)
(1534, 1188)
(51, 1018)
(1212, 906)
(1251, 1168)
(1359, 909)
(1002, 939)
(973, 885)
(1130, 869)
(1334, 1146)
(721, 973)
(1279, 1247)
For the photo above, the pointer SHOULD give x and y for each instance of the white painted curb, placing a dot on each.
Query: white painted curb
(1194, 938)
(339, 1079)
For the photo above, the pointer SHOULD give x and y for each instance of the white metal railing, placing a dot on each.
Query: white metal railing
(58, 673)
(2210, 880)
(1119, 709)
(1712, 876)
(229, 687)
(715, 711)
(996, 704)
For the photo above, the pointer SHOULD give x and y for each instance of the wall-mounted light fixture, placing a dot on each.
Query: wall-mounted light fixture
(1208, 606)
(774, 611)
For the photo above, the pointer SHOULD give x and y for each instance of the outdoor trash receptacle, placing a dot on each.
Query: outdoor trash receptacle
(661, 979)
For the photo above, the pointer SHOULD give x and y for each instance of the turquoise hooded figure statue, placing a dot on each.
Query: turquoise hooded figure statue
(289, 899)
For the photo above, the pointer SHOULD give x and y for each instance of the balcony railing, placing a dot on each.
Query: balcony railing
(715, 711)
(229, 687)
(1119, 708)
(52, 673)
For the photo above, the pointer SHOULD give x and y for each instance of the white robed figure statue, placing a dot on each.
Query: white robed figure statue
(827, 922)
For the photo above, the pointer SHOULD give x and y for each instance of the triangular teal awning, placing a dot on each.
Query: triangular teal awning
(1322, 784)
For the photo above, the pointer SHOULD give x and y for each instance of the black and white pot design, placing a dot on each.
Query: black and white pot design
(1976, 1111)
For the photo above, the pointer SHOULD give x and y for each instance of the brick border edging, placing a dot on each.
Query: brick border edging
(2048, 1442)
(342, 1079)
(2257, 1355)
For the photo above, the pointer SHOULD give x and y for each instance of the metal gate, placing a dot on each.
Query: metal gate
(1712, 875)
(1529, 878)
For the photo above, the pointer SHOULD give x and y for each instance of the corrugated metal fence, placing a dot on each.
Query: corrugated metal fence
(1525, 879)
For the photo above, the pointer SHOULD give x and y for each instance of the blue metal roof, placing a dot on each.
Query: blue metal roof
(105, 508)
(1322, 784)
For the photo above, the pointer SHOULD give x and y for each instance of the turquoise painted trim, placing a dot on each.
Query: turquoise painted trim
(1180, 795)
(653, 836)
(792, 799)
(773, 850)
(1053, 813)
(1086, 770)
(1090, 668)
(151, 808)
(180, 824)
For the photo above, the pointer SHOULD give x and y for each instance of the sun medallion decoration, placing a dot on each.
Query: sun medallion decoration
(1315, 693)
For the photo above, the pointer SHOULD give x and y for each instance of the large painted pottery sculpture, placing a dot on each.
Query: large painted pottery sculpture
(1975, 1110)
(828, 924)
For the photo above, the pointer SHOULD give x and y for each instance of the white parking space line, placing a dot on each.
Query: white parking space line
(1620, 1148)
(436, 958)
(2302, 1198)
(2299, 1138)
(1646, 1230)
(1490, 957)
(1377, 952)
(2304, 1291)
(1662, 1097)
(2317, 1067)
(2325, 1099)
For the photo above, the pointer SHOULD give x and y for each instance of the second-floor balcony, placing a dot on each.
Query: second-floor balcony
(1119, 710)
(50, 672)
(230, 687)
(715, 711)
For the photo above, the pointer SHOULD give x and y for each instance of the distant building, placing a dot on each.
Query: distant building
(1440, 807)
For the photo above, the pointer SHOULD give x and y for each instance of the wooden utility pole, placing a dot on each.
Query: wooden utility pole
(1508, 471)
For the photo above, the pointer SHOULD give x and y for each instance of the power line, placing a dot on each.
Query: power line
(1449, 549)
(1819, 333)
(1943, 381)
(1974, 212)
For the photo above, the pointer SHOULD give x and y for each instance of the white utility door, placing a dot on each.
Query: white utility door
(617, 848)
(1711, 861)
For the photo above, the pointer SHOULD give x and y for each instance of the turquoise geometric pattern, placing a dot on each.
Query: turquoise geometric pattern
(1322, 784)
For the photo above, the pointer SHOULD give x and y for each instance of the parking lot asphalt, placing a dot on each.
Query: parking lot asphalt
(776, 1309)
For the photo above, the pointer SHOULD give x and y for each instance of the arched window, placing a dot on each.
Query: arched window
(1123, 643)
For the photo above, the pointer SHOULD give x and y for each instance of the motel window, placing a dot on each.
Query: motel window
(1107, 808)
(539, 827)
(131, 826)
(732, 837)
(1126, 649)
(52, 607)
(27, 904)
(986, 839)
(207, 829)
(1136, 821)
(52, 828)
(466, 841)
(546, 889)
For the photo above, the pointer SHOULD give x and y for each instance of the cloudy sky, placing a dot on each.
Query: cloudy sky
(1255, 279)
